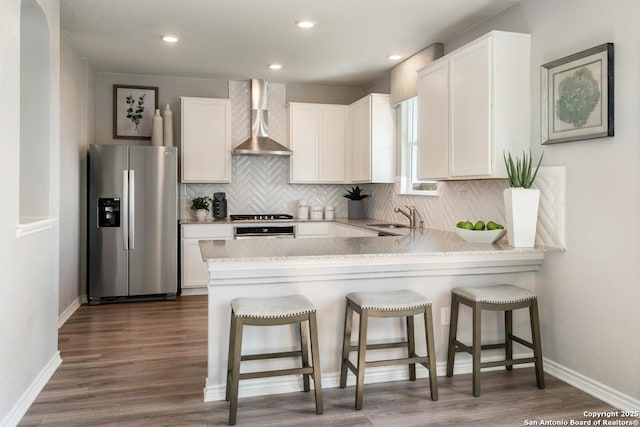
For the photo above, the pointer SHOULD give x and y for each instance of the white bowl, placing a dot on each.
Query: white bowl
(481, 236)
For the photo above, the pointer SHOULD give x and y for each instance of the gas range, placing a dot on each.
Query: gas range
(252, 231)
(261, 217)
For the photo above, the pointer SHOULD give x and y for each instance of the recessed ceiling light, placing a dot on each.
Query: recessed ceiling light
(170, 39)
(394, 57)
(275, 66)
(305, 24)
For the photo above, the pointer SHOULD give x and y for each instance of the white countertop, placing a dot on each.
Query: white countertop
(414, 243)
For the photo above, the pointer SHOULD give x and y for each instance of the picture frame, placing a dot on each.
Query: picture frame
(577, 96)
(133, 110)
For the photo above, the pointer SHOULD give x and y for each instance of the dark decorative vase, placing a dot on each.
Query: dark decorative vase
(355, 209)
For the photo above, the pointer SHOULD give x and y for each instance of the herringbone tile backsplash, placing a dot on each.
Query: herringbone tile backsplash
(260, 184)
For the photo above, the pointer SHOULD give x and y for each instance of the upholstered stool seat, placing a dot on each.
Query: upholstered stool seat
(403, 303)
(271, 312)
(497, 298)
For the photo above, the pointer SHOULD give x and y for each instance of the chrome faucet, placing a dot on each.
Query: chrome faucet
(411, 214)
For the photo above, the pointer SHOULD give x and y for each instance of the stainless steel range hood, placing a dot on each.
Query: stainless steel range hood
(260, 144)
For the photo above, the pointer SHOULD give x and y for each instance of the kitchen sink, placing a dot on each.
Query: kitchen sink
(388, 225)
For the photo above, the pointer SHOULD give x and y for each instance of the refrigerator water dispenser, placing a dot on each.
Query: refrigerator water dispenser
(108, 212)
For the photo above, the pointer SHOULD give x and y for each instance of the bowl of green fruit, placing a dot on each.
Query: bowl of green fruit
(479, 232)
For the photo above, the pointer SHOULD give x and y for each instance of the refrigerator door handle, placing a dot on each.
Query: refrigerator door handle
(125, 209)
(132, 213)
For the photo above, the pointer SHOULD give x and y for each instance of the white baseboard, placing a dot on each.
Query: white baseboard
(195, 291)
(62, 319)
(591, 386)
(31, 393)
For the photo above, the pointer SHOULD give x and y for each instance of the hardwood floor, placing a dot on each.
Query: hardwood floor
(144, 364)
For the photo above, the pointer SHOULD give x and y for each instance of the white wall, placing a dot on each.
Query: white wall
(29, 265)
(322, 94)
(77, 131)
(589, 295)
(170, 89)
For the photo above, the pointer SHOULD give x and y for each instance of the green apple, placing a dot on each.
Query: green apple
(479, 225)
(492, 225)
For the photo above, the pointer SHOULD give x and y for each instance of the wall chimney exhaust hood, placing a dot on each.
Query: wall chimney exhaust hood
(260, 144)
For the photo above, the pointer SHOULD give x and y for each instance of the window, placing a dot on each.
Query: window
(409, 182)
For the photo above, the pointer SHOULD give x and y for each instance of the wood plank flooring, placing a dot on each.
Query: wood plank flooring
(144, 364)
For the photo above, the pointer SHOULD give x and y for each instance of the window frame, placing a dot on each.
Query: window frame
(407, 115)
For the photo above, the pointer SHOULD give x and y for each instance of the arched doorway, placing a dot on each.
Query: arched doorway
(35, 113)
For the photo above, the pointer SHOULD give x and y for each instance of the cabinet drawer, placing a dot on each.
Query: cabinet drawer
(207, 231)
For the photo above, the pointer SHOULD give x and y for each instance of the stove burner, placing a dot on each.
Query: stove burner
(260, 217)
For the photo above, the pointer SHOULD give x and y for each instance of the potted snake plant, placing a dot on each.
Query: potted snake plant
(521, 201)
(355, 208)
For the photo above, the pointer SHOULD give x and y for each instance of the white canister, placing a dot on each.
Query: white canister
(328, 212)
(316, 212)
(303, 210)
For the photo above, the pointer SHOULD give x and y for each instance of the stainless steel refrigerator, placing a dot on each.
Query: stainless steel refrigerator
(133, 223)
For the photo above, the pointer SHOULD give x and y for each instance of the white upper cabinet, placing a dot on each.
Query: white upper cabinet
(433, 121)
(473, 104)
(206, 139)
(317, 134)
(372, 140)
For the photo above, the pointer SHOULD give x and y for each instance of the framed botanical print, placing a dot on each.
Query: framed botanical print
(133, 109)
(577, 96)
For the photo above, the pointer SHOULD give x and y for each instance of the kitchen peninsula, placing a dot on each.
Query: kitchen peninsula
(431, 262)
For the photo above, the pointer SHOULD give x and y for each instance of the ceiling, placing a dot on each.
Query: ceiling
(238, 39)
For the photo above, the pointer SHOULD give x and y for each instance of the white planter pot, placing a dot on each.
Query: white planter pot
(201, 214)
(521, 209)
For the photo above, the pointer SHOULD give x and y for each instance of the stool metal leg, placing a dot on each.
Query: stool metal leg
(453, 330)
(508, 334)
(411, 347)
(362, 354)
(431, 352)
(346, 345)
(477, 346)
(537, 345)
(315, 359)
(235, 370)
(304, 349)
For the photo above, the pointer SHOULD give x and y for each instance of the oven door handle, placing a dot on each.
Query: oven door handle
(263, 236)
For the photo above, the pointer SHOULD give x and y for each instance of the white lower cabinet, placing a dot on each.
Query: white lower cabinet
(341, 230)
(331, 229)
(194, 270)
(313, 229)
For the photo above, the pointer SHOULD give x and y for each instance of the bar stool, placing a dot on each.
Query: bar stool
(497, 298)
(403, 303)
(271, 312)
